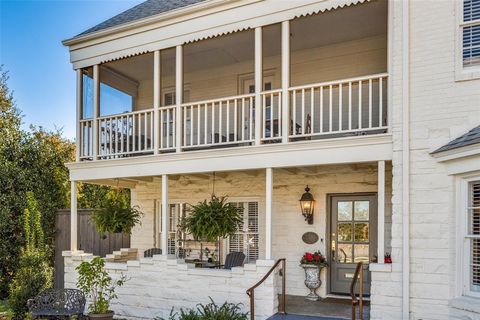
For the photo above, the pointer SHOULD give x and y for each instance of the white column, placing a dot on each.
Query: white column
(165, 214)
(381, 212)
(179, 97)
(268, 213)
(73, 217)
(78, 141)
(96, 108)
(156, 101)
(285, 79)
(258, 85)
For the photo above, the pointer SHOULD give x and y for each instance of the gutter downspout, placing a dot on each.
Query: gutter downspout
(406, 160)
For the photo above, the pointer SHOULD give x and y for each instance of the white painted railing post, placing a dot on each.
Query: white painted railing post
(268, 212)
(179, 98)
(96, 108)
(285, 80)
(165, 215)
(73, 217)
(79, 142)
(156, 102)
(381, 211)
(258, 85)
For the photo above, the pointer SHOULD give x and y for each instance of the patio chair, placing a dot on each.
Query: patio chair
(150, 252)
(357, 301)
(233, 259)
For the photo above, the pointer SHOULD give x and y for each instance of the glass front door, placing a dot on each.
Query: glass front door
(353, 239)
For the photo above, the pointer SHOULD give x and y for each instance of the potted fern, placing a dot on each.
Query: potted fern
(98, 286)
(214, 219)
(115, 217)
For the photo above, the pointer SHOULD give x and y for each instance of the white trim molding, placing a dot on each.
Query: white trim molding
(332, 151)
(462, 73)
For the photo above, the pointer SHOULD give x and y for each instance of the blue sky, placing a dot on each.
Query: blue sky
(30, 49)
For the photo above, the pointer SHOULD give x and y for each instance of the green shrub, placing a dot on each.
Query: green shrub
(97, 285)
(34, 274)
(210, 311)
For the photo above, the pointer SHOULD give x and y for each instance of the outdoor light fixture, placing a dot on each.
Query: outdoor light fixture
(306, 204)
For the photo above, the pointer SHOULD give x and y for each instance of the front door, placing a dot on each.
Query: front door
(353, 239)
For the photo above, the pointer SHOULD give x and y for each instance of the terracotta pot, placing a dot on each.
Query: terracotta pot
(101, 316)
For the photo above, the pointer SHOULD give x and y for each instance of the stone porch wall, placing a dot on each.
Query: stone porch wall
(156, 285)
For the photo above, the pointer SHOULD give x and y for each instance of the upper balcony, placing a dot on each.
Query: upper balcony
(317, 77)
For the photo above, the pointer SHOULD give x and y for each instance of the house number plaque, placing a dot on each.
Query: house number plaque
(310, 237)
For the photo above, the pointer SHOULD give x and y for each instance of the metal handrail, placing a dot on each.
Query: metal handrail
(357, 275)
(251, 291)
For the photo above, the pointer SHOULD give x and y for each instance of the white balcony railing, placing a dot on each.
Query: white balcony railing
(346, 107)
(271, 115)
(86, 139)
(218, 122)
(125, 134)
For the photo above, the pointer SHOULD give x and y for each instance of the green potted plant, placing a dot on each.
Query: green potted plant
(115, 217)
(209, 221)
(99, 287)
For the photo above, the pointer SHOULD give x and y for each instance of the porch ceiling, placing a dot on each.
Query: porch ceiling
(334, 151)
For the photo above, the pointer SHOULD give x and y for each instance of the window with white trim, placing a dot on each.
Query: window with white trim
(470, 33)
(246, 240)
(473, 236)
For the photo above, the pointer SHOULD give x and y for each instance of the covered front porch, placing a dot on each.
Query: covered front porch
(345, 229)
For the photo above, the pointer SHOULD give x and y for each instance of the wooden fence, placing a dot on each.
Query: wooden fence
(89, 240)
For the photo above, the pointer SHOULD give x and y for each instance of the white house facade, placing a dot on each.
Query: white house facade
(374, 106)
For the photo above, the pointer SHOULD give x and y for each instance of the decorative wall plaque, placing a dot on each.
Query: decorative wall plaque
(310, 237)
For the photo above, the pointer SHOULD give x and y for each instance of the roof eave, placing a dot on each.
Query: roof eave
(456, 153)
(207, 4)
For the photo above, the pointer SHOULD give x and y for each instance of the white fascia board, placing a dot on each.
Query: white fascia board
(460, 160)
(308, 153)
(197, 25)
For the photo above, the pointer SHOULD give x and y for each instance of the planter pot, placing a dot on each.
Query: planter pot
(101, 316)
(312, 280)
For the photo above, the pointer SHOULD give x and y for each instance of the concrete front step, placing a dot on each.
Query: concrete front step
(122, 255)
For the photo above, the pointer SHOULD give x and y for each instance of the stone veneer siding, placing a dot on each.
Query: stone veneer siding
(157, 284)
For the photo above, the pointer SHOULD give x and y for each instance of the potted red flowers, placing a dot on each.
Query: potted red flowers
(313, 263)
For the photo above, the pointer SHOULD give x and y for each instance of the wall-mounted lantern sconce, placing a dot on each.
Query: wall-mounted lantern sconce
(306, 204)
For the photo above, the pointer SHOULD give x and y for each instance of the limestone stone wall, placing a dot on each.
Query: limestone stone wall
(156, 285)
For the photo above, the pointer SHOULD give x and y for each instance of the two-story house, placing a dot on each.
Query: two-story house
(369, 103)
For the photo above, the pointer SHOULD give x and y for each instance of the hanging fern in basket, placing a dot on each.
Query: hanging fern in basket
(209, 221)
(115, 217)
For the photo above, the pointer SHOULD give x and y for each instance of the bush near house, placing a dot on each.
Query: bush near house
(210, 311)
(34, 161)
(34, 274)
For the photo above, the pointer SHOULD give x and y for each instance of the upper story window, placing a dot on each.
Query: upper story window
(471, 33)
(473, 239)
(467, 57)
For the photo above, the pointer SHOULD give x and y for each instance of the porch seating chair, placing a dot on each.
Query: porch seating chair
(358, 275)
(150, 252)
(233, 259)
(57, 303)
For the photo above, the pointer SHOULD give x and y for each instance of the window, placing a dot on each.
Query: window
(468, 40)
(473, 237)
(246, 240)
(471, 33)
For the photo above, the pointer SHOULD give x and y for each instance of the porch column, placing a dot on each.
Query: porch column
(178, 98)
(78, 115)
(165, 215)
(268, 213)
(156, 101)
(381, 212)
(96, 108)
(285, 79)
(259, 122)
(73, 217)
